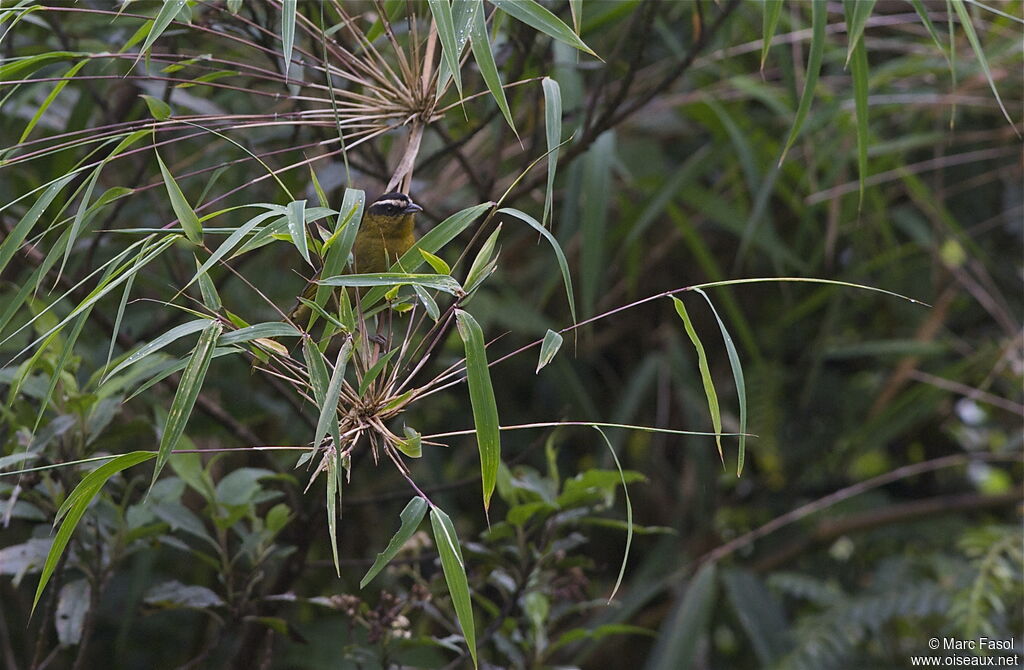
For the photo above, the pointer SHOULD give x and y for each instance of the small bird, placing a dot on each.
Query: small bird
(387, 232)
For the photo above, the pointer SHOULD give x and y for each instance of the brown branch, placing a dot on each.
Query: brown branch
(831, 529)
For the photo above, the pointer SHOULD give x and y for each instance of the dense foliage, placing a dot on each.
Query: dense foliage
(732, 287)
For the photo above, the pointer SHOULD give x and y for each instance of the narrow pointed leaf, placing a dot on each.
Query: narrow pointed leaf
(411, 518)
(705, 374)
(481, 397)
(441, 10)
(737, 376)
(374, 371)
(436, 262)
(548, 348)
(288, 15)
(328, 420)
(444, 283)
(12, 241)
(629, 514)
(819, 19)
(158, 343)
(859, 70)
(553, 132)
(297, 228)
(68, 76)
(479, 270)
(75, 506)
(563, 264)
(333, 501)
(158, 109)
(182, 209)
(770, 19)
(185, 397)
(168, 10)
(534, 15)
(979, 53)
(857, 14)
(454, 568)
(257, 331)
(484, 58)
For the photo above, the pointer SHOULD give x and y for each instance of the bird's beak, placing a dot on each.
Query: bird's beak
(412, 208)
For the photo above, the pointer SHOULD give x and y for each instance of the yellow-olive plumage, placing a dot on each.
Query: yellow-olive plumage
(385, 234)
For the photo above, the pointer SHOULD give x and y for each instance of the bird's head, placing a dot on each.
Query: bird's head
(393, 205)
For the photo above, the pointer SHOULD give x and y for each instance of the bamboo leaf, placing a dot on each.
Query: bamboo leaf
(12, 241)
(441, 10)
(705, 374)
(563, 264)
(857, 15)
(481, 397)
(68, 76)
(548, 348)
(482, 264)
(429, 303)
(859, 70)
(158, 109)
(539, 18)
(454, 568)
(185, 397)
(437, 263)
(484, 58)
(629, 514)
(979, 53)
(75, 506)
(553, 132)
(168, 10)
(819, 20)
(328, 419)
(288, 16)
(182, 209)
(680, 635)
(297, 228)
(737, 376)
(444, 283)
(374, 371)
(769, 19)
(159, 343)
(333, 502)
(257, 331)
(411, 518)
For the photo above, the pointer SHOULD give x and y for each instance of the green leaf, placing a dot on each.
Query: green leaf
(255, 332)
(297, 228)
(482, 265)
(437, 263)
(74, 507)
(769, 20)
(972, 37)
(328, 419)
(859, 70)
(705, 373)
(548, 348)
(68, 76)
(185, 397)
(288, 12)
(597, 192)
(563, 264)
(411, 517)
(454, 568)
(444, 283)
(374, 371)
(441, 10)
(538, 18)
(168, 10)
(429, 303)
(230, 243)
(412, 445)
(629, 514)
(334, 479)
(13, 239)
(159, 343)
(737, 376)
(760, 613)
(484, 58)
(207, 288)
(857, 15)
(819, 21)
(481, 397)
(158, 109)
(553, 131)
(186, 215)
(337, 249)
(680, 635)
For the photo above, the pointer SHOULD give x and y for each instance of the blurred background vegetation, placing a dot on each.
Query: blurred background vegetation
(880, 501)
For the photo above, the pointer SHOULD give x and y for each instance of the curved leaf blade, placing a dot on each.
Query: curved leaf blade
(481, 397)
(411, 517)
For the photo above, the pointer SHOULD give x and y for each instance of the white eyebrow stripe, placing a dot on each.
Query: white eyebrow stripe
(391, 202)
